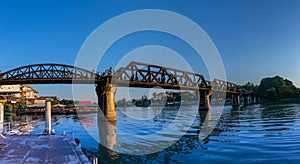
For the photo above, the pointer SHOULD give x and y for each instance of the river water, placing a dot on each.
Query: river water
(251, 134)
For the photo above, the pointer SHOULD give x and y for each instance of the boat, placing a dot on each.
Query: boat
(143, 102)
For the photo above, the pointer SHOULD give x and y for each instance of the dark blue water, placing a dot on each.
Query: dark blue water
(251, 134)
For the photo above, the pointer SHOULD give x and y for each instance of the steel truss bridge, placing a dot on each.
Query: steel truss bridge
(135, 74)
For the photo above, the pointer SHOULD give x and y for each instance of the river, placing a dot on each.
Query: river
(251, 134)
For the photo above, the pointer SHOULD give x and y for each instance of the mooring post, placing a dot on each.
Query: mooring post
(1, 117)
(48, 116)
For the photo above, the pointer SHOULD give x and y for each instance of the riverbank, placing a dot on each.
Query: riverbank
(282, 101)
(58, 111)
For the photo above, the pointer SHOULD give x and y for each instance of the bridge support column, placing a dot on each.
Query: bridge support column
(204, 103)
(252, 99)
(246, 102)
(106, 100)
(257, 99)
(1, 117)
(235, 100)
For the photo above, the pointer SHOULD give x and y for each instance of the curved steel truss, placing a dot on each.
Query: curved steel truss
(48, 74)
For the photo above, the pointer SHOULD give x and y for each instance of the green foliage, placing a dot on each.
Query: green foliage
(63, 101)
(273, 88)
(189, 96)
(8, 106)
(121, 102)
(250, 87)
(54, 102)
(67, 102)
(23, 106)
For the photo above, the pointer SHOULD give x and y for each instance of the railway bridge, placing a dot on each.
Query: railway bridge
(135, 74)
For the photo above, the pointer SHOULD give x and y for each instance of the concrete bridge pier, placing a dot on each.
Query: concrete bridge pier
(246, 100)
(253, 99)
(235, 100)
(106, 100)
(257, 99)
(205, 97)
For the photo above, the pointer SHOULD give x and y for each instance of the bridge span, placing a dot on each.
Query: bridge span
(135, 74)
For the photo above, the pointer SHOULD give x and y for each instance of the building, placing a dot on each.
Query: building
(28, 92)
(11, 91)
(19, 93)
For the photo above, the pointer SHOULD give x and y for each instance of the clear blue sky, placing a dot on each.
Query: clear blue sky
(255, 38)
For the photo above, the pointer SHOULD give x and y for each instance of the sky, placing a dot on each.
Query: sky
(255, 38)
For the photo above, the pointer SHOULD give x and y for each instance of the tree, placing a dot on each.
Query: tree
(121, 102)
(8, 106)
(273, 88)
(67, 102)
(271, 94)
(54, 102)
(250, 87)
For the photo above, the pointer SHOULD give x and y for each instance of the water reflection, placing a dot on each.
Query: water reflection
(254, 133)
(238, 132)
(23, 118)
(204, 115)
(107, 132)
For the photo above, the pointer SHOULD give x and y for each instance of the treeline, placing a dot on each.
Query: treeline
(274, 88)
(64, 102)
(163, 97)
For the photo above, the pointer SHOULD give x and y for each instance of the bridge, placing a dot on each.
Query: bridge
(135, 74)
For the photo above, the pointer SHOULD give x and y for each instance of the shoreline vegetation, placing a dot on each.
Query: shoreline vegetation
(272, 90)
(275, 89)
(59, 107)
(283, 101)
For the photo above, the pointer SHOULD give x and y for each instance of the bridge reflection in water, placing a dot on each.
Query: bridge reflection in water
(107, 132)
(124, 140)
